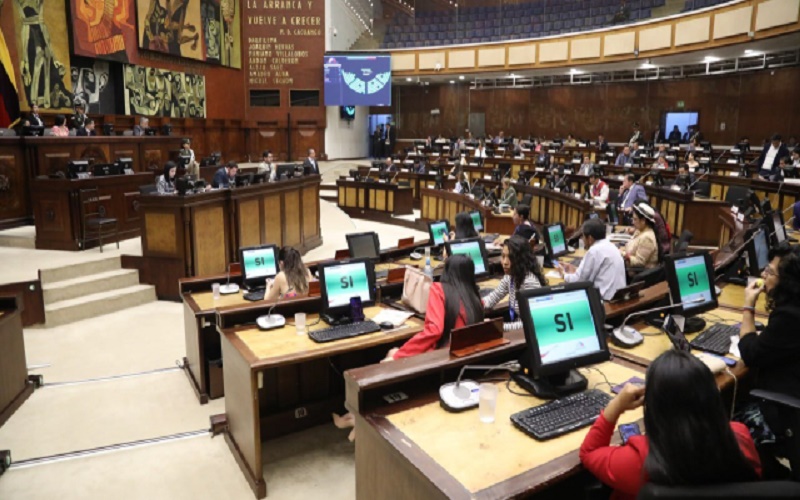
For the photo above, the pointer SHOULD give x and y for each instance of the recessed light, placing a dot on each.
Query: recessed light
(512, 75)
(751, 52)
(452, 81)
(711, 59)
(408, 78)
(648, 65)
(461, 77)
(575, 71)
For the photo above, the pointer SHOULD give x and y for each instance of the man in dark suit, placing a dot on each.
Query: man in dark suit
(141, 129)
(79, 118)
(389, 139)
(225, 176)
(87, 130)
(311, 165)
(602, 144)
(376, 142)
(675, 135)
(658, 136)
(34, 119)
(770, 157)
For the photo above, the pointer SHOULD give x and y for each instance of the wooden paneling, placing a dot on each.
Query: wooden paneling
(14, 385)
(291, 216)
(161, 233)
(210, 241)
(310, 211)
(249, 223)
(14, 199)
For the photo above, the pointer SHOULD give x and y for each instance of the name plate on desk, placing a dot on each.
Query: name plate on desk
(349, 179)
(628, 165)
(603, 162)
(373, 170)
(675, 188)
(536, 184)
(734, 174)
(567, 171)
(551, 151)
(691, 169)
(557, 190)
(382, 181)
(408, 162)
(476, 338)
(732, 162)
(487, 177)
(577, 195)
(581, 144)
(648, 183)
(539, 169)
(576, 161)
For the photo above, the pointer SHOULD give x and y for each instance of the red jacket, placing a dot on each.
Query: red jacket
(427, 339)
(622, 467)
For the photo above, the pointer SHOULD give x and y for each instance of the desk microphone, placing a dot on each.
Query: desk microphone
(395, 176)
(459, 396)
(229, 288)
(270, 321)
(630, 337)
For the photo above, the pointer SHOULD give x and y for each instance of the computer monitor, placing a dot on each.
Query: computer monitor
(33, 130)
(78, 169)
(778, 227)
(737, 195)
(150, 131)
(564, 330)
(555, 240)
(437, 231)
(342, 280)
(125, 164)
(691, 283)
(758, 252)
(284, 171)
(258, 264)
(364, 246)
(244, 179)
(477, 221)
(103, 169)
(475, 249)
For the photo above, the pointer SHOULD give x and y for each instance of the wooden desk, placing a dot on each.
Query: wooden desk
(377, 196)
(57, 210)
(279, 382)
(200, 234)
(15, 387)
(415, 449)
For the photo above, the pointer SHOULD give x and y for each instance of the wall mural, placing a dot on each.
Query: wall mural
(158, 92)
(44, 53)
(206, 30)
(92, 84)
(104, 29)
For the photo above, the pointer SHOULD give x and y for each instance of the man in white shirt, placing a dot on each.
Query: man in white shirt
(267, 167)
(602, 265)
(587, 167)
(770, 156)
(311, 161)
(598, 188)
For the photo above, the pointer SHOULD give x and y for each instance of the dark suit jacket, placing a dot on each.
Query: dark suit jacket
(313, 166)
(603, 147)
(221, 179)
(35, 120)
(137, 130)
(658, 137)
(782, 151)
(675, 135)
(82, 132)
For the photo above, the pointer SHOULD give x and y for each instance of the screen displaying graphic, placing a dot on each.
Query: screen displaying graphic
(259, 263)
(364, 80)
(345, 281)
(557, 244)
(472, 249)
(363, 247)
(564, 326)
(439, 232)
(762, 250)
(693, 281)
(476, 221)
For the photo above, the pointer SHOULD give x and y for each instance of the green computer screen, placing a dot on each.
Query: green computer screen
(345, 281)
(473, 250)
(557, 244)
(259, 263)
(693, 283)
(564, 326)
(476, 221)
(439, 231)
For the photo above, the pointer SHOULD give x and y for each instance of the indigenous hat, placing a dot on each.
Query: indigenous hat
(645, 211)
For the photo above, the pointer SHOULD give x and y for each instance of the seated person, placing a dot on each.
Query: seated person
(225, 176)
(642, 250)
(87, 130)
(454, 302)
(556, 179)
(599, 188)
(587, 167)
(509, 194)
(661, 163)
(59, 128)
(662, 150)
(141, 129)
(389, 165)
(691, 162)
(602, 265)
(192, 167)
(630, 192)
(465, 228)
(166, 182)
(687, 179)
(267, 166)
(79, 118)
(520, 272)
(462, 185)
(624, 158)
(292, 280)
(776, 350)
(785, 168)
(523, 226)
(689, 439)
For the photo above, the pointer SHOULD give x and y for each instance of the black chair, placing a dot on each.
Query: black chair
(148, 189)
(649, 276)
(755, 490)
(788, 435)
(94, 219)
(526, 200)
(682, 243)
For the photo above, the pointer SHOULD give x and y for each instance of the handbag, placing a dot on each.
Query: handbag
(416, 287)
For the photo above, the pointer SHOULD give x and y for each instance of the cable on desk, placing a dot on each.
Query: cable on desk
(605, 379)
(509, 389)
(735, 387)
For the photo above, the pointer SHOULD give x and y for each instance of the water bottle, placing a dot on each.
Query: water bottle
(428, 268)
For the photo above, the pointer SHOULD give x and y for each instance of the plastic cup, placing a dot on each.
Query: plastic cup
(540, 261)
(215, 290)
(487, 402)
(300, 323)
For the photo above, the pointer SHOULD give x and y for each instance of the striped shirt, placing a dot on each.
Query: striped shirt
(505, 288)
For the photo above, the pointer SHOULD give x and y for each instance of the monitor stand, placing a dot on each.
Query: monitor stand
(554, 386)
(336, 320)
(689, 325)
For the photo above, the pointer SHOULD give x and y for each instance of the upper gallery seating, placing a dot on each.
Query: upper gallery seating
(497, 23)
(701, 4)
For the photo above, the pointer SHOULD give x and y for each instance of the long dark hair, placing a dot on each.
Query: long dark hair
(167, 167)
(294, 269)
(787, 291)
(691, 441)
(464, 226)
(523, 261)
(460, 289)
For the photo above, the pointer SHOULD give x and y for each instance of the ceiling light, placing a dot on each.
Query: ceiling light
(711, 59)
(408, 78)
(648, 65)
(512, 75)
(452, 81)
(461, 77)
(574, 71)
(751, 52)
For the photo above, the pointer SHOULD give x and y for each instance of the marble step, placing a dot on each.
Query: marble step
(88, 285)
(97, 304)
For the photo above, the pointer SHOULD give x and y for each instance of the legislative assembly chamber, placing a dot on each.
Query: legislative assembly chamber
(399, 249)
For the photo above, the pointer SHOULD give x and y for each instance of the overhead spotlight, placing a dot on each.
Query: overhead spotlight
(461, 77)
(408, 78)
(512, 75)
(751, 52)
(711, 59)
(648, 65)
(575, 71)
(452, 81)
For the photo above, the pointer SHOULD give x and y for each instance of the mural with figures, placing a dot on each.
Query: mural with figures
(158, 92)
(92, 85)
(206, 30)
(104, 29)
(43, 48)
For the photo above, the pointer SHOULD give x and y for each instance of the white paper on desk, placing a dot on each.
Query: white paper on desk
(552, 274)
(492, 246)
(734, 348)
(392, 316)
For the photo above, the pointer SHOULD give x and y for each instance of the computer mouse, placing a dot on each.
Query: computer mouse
(760, 326)
(386, 325)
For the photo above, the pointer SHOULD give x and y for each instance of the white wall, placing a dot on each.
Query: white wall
(347, 139)
(348, 28)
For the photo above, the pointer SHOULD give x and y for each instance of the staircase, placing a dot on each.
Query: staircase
(669, 8)
(91, 289)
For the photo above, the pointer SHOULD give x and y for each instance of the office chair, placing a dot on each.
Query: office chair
(682, 243)
(702, 188)
(649, 276)
(788, 440)
(526, 200)
(754, 490)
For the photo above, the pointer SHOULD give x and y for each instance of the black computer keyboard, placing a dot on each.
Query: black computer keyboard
(485, 292)
(561, 416)
(489, 238)
(344, 331)
(717, 339)
(255, 295)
